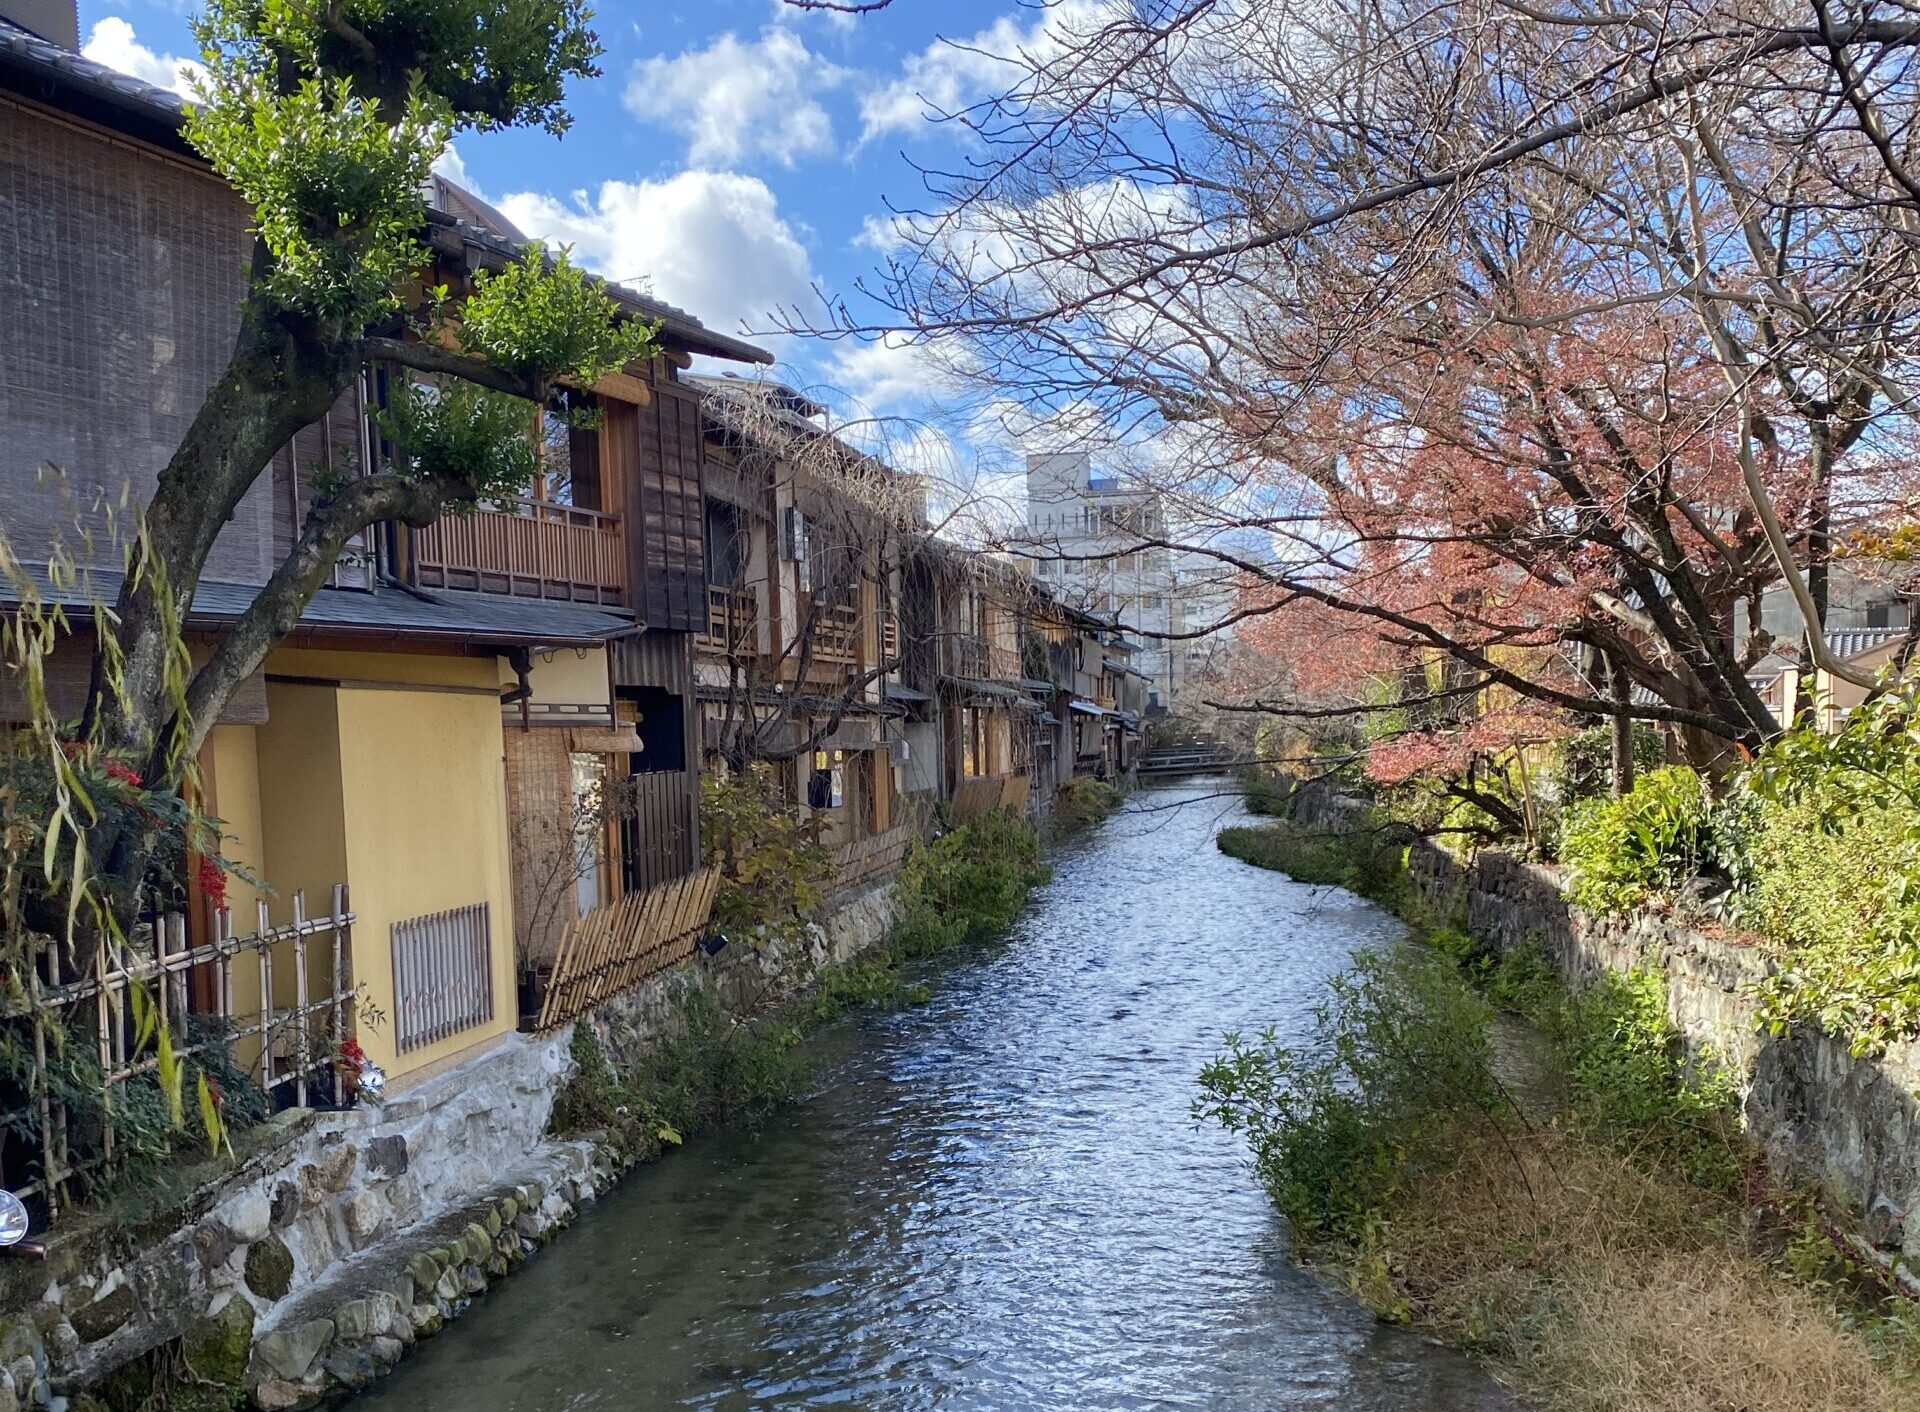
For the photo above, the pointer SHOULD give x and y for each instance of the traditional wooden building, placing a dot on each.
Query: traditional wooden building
(798, 666)
(455, 690)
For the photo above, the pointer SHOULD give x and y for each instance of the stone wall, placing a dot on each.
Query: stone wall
(339, 1239)
(1851, 1125)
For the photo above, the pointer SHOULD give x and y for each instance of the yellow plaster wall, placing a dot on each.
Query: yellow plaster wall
(235, 762)
(424, 789)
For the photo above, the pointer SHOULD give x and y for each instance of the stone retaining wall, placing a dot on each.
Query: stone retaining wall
(1851, 1125)
(339, 1239)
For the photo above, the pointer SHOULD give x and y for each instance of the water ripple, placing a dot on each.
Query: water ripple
(995, 1201)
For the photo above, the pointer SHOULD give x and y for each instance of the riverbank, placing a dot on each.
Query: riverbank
(346, 1238)
(1604, 1236)
(992, 1200)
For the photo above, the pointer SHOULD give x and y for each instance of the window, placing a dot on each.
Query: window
(727, 541)
(660, 719)
(589, 780)
(1880, 615)
(570, 456)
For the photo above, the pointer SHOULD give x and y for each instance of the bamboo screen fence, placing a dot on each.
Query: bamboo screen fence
(285, 1033)
(616, 947)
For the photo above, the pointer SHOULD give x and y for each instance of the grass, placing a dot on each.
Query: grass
(1626, 1252)
(1592, 1283)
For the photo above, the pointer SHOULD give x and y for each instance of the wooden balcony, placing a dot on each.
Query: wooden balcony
(836, 637)
(977, 658)
(733, 622)
(533, 548)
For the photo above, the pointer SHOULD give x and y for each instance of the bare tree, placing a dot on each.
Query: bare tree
(1519, 337)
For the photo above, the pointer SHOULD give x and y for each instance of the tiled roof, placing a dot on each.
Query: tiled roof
(441, 615)
(1851, 642)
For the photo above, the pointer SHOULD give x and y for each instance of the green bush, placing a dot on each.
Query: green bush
(1269, 793)
(1633, 1083)
(1082, 802)
(772, 868)
(1398, 1078)
(710, 1070)
(1583, 762)
(967, 885)
(1620, 852)
(1369, 860)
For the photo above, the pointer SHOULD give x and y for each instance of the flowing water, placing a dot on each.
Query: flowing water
(994, 1201)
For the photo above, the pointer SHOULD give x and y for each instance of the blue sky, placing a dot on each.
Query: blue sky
(735, 154)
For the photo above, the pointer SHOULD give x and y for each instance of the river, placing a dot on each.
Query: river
(997, 1200)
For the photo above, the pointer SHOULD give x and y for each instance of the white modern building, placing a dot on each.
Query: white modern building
(1091, 539)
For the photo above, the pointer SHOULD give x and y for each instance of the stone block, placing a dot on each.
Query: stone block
(217, 1348)
(269, 1269)
(472, 1281)
(426, 1320)
(366, 1213)
(246, 1217)
(449, 1285)
(509, 1211)
(386, 1351)
(104, 1315)
(478, 1242)
(289, 1353)
(493, 1223)
(279, 1395)
(350, 1365)
(385, 1157)
(329, 1176)
(285, 1205)
(424, 1270)
(353, 1320)
(400, 1287)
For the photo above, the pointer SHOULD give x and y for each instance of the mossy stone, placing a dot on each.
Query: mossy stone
(269, 1268)
(102, 1316)
(217, 1348)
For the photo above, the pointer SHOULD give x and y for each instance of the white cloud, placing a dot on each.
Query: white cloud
(112, 43)
(712, 242)
(733, 101)
(948, 76)
(892, 372)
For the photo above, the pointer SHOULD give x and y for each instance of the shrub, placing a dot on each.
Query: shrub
(1269, 793)
(1370, 860)
(1583, 761)
(711, 1070)
(1082, 802)
(772, 868)
(1399, 1080)
(967, 885)
(1621, 851)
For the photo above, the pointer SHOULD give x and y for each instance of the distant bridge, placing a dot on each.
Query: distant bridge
(1171, 761)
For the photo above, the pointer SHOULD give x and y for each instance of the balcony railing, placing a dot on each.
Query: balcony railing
(890, 637)
(980, 659)
(733, 622)
(836, 636)
(533, 548)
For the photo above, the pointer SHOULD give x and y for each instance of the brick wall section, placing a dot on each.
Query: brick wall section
(1850, 1124)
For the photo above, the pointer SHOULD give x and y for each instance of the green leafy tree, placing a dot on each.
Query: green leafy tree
(326, 116)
